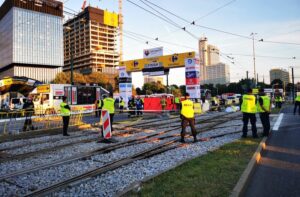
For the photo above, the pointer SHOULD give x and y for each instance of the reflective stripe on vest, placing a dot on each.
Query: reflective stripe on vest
(298, 98)
(109, 105)
(100, 103)
(266, 104)
(187, 109)
(64, 111)
(248, 105)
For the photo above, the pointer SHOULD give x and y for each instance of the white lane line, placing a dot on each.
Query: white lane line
(278, 122)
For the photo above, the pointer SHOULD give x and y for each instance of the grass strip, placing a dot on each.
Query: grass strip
(214, 174)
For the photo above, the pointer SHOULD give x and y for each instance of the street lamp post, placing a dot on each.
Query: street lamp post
(253, 34)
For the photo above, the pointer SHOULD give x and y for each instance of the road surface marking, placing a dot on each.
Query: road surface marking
(278, 121)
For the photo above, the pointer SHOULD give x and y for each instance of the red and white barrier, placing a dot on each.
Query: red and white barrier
(106, 129)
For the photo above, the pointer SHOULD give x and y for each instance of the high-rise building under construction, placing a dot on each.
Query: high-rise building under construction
(90, 39)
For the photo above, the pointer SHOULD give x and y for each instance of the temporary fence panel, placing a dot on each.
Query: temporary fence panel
(153, 104)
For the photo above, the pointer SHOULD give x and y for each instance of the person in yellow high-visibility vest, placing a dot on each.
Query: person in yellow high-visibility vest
(187, 116)
(278, 101)
(98, 107)
(65, 111)
(248, 107)
(264, 108)
(177, 102)
(109, 105)
(297, 103)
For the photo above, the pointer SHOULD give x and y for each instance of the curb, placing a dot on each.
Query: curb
(243, 182)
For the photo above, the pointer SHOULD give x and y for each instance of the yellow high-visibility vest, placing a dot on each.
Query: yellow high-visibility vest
(266, 104)
(278, 99)
(109, 105)
(122, 103)
(298, 98)
(177, 100)
(248, 105)
(64, 111)
(187, 109)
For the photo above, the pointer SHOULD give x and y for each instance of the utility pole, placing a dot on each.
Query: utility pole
(293, 86)
(253, 34)
(247, 74)
(72, 62)
(257, 78)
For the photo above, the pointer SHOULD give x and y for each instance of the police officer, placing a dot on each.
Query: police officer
(297, 103)
(109, 105)
(65, 113)
(131, 106)
(264, 108)
(99, 104)
(177, 102)
(121, 105)
(139, 106)
(163, 102)
(248, 107)
(28, 108)
(278, 101)
(187, 117)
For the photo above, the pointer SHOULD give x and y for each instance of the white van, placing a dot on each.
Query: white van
(17, 103)
(47, 98)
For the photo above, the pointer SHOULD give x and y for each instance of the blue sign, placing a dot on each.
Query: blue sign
(191, 74)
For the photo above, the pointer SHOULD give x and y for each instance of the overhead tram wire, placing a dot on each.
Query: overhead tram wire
(175, 44)
(218, 30)
(215, 10)
(167, 18)
(183, 28)
(146, 42)
(157, 40)
(188, 47)
(205, 15)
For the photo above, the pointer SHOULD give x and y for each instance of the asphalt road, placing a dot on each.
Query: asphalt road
(278, 173)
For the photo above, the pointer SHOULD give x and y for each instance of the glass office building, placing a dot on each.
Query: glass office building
(31, 39)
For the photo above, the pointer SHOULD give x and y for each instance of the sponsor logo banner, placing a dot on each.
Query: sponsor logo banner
(154, 52)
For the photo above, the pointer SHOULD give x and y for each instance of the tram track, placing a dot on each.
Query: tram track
(169, 145)
(130, 130)
(84, 156)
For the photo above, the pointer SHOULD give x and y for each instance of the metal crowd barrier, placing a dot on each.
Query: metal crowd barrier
(14, 122)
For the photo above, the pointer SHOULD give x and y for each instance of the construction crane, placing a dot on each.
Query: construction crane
(83, 5)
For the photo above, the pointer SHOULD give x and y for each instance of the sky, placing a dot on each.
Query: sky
(271, 20)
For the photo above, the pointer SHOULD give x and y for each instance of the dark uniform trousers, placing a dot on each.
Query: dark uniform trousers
(184, 123)
(265, 120)
(111, 119)
(66, 120)
(297, 103)
(252, 117)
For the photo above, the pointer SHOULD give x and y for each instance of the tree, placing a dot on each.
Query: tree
(97, 78)
(61, 78)
(153, 87)
(65, 78)
(277, 81)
